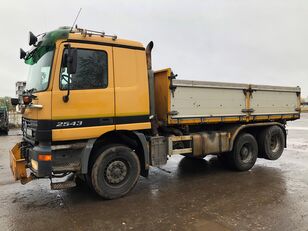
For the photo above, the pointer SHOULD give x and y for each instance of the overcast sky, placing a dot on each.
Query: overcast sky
(250, 41)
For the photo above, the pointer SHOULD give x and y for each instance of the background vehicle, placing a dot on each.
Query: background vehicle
(4, 121)
(95, 109)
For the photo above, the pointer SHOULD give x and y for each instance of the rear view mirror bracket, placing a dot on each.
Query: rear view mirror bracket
(70, 61)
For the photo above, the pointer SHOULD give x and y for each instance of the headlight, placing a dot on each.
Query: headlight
(34, 164)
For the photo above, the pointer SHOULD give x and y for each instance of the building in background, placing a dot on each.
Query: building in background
(19, 88)
(305, 104)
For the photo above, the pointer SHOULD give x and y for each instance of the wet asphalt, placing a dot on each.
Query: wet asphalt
(182, 195)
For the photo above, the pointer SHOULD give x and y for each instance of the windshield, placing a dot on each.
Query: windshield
(39, 72)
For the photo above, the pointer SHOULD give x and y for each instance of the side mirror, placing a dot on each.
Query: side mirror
(14, 101)
(71, 61)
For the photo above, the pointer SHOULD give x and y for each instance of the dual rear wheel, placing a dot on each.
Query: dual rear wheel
(244, 154)
(272, 142)
(246, 149)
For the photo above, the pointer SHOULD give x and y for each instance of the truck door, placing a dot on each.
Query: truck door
(90, 109)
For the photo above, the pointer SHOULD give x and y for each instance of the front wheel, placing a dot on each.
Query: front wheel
(245, 152)
(115, 171)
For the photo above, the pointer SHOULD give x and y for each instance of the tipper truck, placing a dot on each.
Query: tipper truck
(95, 110)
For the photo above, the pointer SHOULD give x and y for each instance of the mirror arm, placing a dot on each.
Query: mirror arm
(67, 96)
(71, 68)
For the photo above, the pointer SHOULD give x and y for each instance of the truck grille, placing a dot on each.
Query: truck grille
(29, 128)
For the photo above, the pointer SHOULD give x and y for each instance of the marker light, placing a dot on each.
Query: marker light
(27, 99)
(44, 157)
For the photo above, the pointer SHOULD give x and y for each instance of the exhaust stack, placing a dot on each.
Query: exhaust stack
(148, 52)
(153, 120)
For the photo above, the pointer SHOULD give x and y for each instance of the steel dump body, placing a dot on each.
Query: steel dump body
(192, 102)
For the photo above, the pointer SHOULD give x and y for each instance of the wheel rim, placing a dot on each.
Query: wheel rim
(275, 143)
(246, 153)
(116, 172)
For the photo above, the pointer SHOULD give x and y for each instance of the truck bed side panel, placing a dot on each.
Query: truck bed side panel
(275, 102)
(202, 101)
(192, 102)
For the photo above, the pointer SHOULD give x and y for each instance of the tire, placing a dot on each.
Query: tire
(88, 180)
(244, 154)
(115, 171)
(271, 142)
(88, 177)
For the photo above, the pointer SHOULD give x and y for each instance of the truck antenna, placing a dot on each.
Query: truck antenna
(76, 19)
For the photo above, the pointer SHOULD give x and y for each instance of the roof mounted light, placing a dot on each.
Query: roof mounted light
(32, 39)
(22, 54)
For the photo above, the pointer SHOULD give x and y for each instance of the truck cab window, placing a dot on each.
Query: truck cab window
(39, 72)
(92, 71)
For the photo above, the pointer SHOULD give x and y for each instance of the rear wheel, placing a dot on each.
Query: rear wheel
(115, 171)
(244, 154)
(271, 142)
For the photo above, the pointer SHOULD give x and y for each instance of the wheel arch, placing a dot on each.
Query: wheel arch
(134, 140)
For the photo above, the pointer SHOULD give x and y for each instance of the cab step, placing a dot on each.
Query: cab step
(62, 185)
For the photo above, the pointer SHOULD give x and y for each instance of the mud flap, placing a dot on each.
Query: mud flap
(17, 163)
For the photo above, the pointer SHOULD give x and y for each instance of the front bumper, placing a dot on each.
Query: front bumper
(19, 165)
(30, 161)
